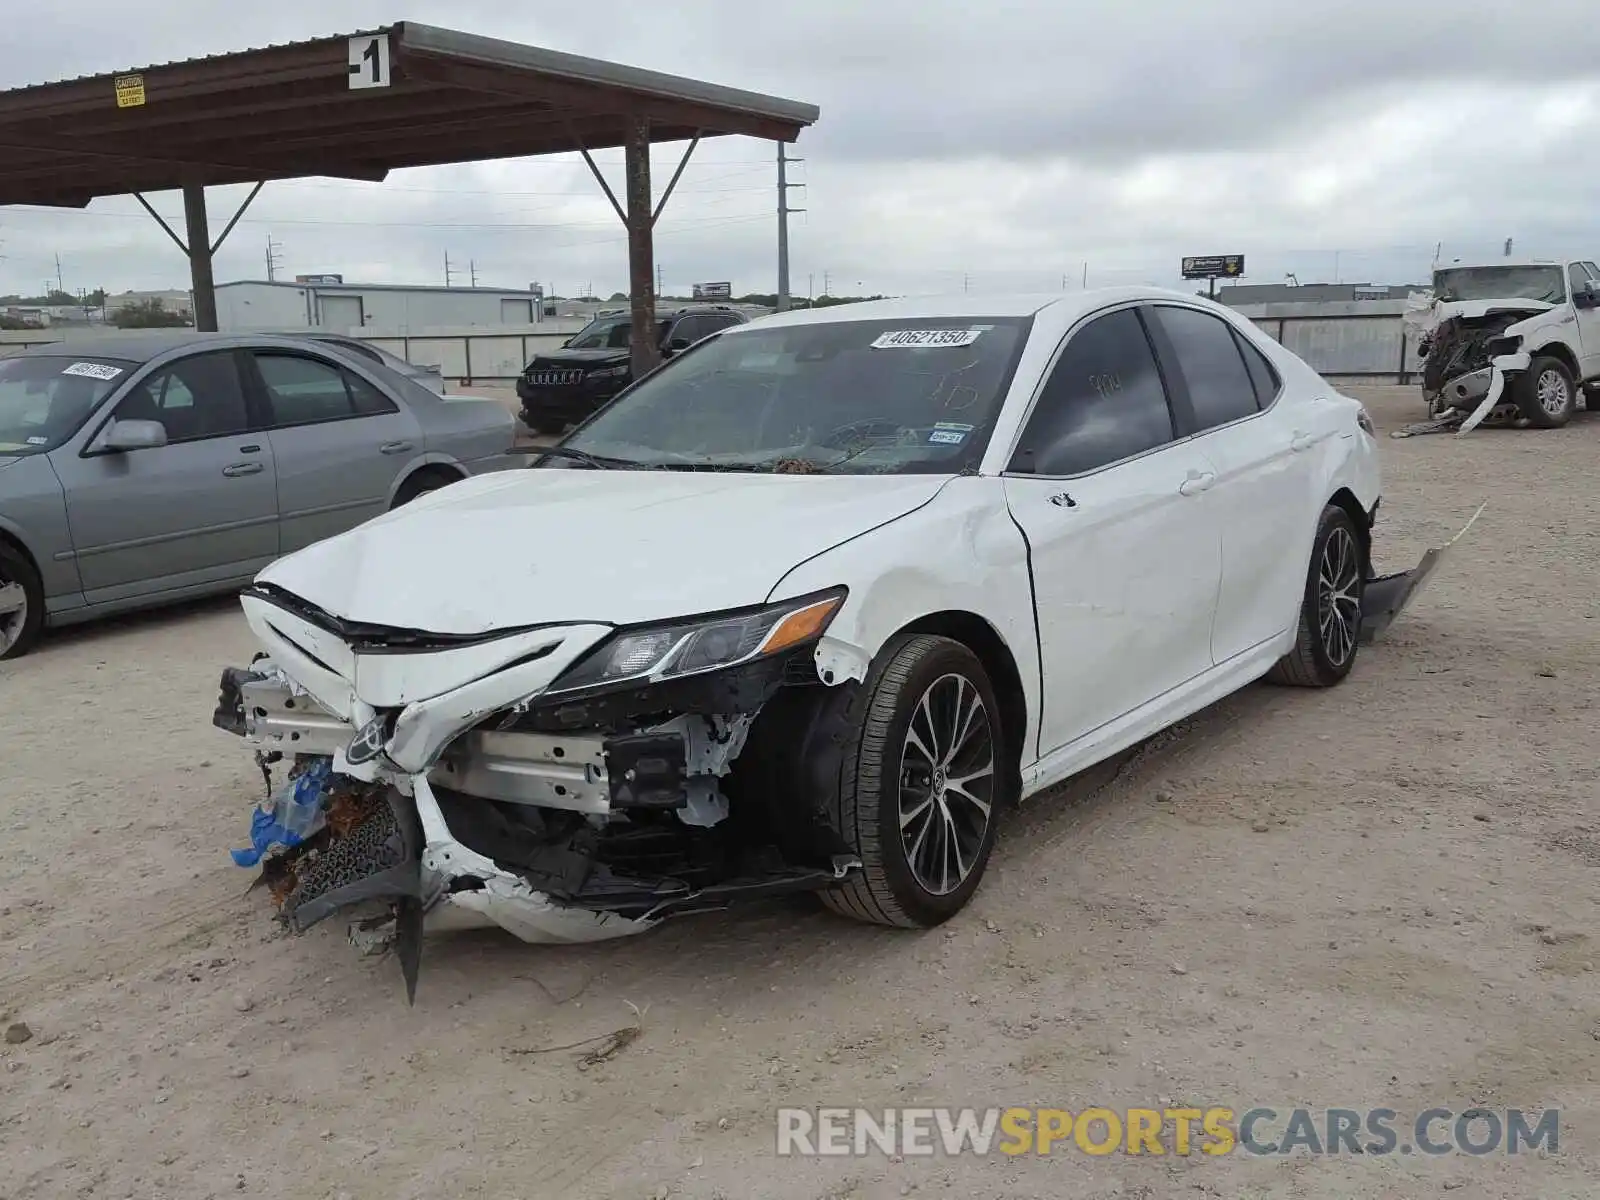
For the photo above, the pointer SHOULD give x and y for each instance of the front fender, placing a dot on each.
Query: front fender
(960, 552)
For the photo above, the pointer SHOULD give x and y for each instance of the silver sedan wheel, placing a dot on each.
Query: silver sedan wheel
(947, 778)
(1554, 392)
(13, 612)
(1339, 596)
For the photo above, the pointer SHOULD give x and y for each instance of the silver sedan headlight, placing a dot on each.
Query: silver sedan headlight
(701, 644)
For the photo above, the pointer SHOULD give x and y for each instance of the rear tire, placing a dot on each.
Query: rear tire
(1547, 393)
(20, 627)
(1328, 635)
(921, 785)
(429, 479)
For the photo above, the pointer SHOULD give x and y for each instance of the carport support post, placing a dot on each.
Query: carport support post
(644, 347)
(205, 292)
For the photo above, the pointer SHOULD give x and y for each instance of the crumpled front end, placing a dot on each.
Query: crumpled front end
(566, 783)
(1473, 354)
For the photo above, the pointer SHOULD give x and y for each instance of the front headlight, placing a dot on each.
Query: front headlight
(610, 373)
(701, 644)
(1364, 419)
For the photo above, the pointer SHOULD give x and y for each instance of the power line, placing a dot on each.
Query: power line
(506, 225)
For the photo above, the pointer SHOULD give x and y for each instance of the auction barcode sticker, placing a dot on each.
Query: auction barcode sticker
(91, 370)
(901, 339)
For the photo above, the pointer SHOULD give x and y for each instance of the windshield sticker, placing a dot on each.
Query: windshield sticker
(91, 370)
(38, 441)
(919, 339)
(949, 433)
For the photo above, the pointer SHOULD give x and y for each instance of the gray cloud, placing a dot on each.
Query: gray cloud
(997, 147)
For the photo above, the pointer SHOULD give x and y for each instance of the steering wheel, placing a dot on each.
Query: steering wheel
(864, 429)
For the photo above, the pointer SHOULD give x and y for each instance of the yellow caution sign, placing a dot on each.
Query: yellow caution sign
(130, 91)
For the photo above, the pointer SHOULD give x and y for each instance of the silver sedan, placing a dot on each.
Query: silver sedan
(141, 470)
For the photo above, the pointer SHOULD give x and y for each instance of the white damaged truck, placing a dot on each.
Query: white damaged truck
(1512, 341)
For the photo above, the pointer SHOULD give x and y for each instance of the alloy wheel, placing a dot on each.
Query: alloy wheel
(947, 781)
(1553, 392)
(13, 612)
(1339, 596)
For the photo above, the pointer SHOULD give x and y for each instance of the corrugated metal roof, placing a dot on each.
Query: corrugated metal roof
(298, 109)
(330, 39)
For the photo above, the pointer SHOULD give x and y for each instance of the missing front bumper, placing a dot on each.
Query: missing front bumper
(1385, 597)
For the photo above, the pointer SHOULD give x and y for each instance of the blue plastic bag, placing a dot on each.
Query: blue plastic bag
(294, 813)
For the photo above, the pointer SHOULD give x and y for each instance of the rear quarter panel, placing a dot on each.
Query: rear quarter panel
(464, 429)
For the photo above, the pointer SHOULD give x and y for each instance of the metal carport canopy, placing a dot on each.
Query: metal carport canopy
(357, 106)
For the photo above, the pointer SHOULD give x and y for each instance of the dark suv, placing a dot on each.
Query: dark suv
(562, 386)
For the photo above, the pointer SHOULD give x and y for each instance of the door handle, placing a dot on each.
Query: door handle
(394, 447)
(234, 470)
(1197, 482)
(1303, 441)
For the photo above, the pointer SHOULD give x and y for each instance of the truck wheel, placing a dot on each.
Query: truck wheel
(921, 786)
(21, 603)
(1329, 632)
(1547, 394)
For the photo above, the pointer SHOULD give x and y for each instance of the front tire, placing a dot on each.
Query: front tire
(1328, 635)
(21, 603)
(1547, 393)
(921, 785)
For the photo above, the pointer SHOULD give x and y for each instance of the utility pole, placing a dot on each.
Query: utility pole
(62, 287)
(272, 258)
(659, 286)
(826, 289)
(811, 289)
(783, 224)
(1508, 253)
(1086, 277)
(472, 271)
(449, 271)
(966, 282)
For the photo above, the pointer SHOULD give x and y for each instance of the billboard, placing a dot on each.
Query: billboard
(1213, 266)
(713, 291)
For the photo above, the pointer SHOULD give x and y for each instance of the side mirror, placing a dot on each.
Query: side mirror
(134, 435)
(567, 341)
(1588, 296)
(678, 344)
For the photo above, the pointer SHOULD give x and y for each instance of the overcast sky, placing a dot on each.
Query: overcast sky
(997, 147)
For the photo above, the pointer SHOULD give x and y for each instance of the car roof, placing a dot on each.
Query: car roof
(1067, 305)
(138, 346)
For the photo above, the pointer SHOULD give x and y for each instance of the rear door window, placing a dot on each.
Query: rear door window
(1220, 389)
(303, 391)
(1103, 402)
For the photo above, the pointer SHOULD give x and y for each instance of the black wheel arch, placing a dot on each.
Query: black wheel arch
(790, 765)
(411, 485)
(1346, 499)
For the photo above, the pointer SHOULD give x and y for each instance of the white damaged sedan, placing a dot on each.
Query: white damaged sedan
(806, 609)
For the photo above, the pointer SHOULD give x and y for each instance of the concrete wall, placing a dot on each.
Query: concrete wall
(1354, 340)
(1344, 339)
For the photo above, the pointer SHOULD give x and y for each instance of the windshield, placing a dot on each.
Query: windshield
(609, 333)
(44, 400)
(1501, 283)
(904, 397)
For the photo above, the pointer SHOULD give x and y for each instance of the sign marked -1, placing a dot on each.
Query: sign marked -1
(369, 61)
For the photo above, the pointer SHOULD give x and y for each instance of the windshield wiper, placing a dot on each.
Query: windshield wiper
(597, 462)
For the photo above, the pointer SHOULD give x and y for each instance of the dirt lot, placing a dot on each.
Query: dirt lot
(1382, 895)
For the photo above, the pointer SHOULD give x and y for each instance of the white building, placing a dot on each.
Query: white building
(370, 309)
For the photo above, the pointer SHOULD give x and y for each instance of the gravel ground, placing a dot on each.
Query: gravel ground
(1383, 895)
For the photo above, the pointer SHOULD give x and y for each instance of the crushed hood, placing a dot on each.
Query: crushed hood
(529, 547)
(1424, 314)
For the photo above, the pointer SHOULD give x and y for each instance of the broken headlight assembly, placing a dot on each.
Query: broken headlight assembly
(701, 644)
